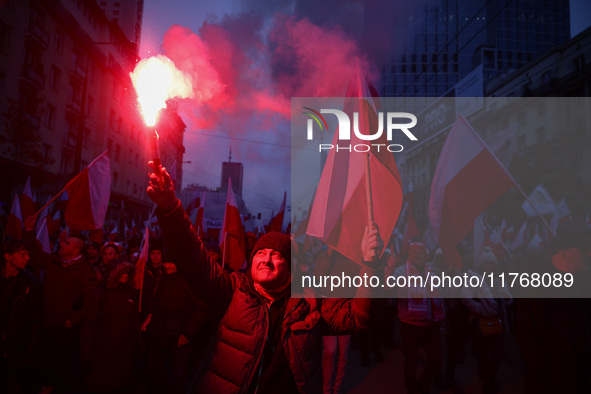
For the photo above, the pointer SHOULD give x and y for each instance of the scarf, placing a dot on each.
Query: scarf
(271, 295)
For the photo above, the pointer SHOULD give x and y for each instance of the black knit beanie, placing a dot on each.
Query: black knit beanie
(274, 240)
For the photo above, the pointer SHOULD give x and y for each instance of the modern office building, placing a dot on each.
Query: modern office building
(446, 40)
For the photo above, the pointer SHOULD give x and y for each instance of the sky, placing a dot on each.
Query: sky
(247, 58)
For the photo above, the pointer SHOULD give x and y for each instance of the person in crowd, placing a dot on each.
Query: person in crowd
(554, 323)
(172, 324)
(109, 330)
(68, 283)
(92, 251)
(266, 340)
(488, 314)
(110, 256)
(250, 239)
(213, 251)
(420, 315)
(21, 317)
(455, 326)
(152, 273)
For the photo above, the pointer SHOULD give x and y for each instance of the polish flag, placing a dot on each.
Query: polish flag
(27, 202)
(55, 224)
(43, 237)
(113, 234)
(3, 217)
(564, 211)
(521, 237)
(89, 194)
(193, 204)
(45, 214)
(541, 200)
(340, 211)
(199, 222)
(62, 202)
(14, 226)
(232, 233)
(481, 239)
(467, 180)
(276, 223)
(134, 229)
(126, 231)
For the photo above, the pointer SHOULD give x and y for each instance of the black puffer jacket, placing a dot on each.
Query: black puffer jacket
(243, 329)
(110, 328)
(175, 311)
(66, 288)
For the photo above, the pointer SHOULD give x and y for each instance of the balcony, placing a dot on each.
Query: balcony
(38, 35)
(32, 120)
(74, 107)
(33, 77)
(78, 72)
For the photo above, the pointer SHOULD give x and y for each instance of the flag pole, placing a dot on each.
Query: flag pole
(535, 210)
(368, 192)
(52, 200)
(501, 239)
(225, 249)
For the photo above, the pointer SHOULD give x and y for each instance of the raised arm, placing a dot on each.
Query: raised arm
(205, 279)
(346, 316)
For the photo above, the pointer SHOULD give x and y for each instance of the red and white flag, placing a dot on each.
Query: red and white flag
(45, 214)
(3, 217)
(541, 200)
(27, 201)
(276, 222)
(232, 233)
(14, 226)
(193, 204)
(340, 211)
(56, 223)
(134, 229)
(481, 239)
(89, 194)
(199, 222)
(43, 237)
(467, 180)
(62, 202)
(521, 237)
(113, 234)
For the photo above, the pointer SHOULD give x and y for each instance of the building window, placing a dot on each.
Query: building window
(58, 43)
(4, 37)
(86, 141)
(115, 179)
(118, 153)
(130, 157)
(89, 106)
(46, 150)
(110, 144)
(54, 78)
(66, 164)
(112, 118)
(50, 117)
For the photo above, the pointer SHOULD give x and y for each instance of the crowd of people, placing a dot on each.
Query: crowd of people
(81, 320)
